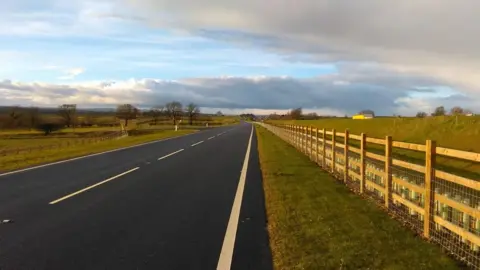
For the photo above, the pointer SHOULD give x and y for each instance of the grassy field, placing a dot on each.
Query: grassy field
(316, 223)
(462, 134)
(449, 132)
(12, 162)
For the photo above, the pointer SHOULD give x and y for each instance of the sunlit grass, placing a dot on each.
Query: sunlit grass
(316, 223)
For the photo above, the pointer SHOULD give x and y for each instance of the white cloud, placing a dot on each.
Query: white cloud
(70, 74)
(433, 38)
(367, 88)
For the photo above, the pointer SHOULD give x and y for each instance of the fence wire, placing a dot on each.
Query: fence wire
(456, 208)
(354, 163)
(455, 204)
(374, 173)
(404, 183)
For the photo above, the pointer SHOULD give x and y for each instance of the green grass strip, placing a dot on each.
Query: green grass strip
(13, 162)
(314, 222)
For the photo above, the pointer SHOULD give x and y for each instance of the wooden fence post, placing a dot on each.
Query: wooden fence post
(295, 136)
(316, 146)
(311, 143)
(324, 150)
(290, 134)
(363, 146)
(430, 158)
(345, 154)
(333, 149)
(388, 170)
(305, 131)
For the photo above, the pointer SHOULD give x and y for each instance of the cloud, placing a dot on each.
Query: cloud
(72, 73)
(433, 38)
(370, 87)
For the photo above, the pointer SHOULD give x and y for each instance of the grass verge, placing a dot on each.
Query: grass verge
(316, 223)
(13, 162)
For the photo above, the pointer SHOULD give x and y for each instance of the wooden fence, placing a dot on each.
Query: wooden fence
(61, 144)
(442, 207)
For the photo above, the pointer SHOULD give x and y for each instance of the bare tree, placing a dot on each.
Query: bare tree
(126, 112)
(14, 115)
(68, 113)
(192, 111)
(439, 111)
(174, 110)
(155, 113)
(33, 117)
(421, 114)
(457, 110)
(296, 114)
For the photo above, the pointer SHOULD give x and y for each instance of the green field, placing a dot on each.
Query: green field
(316, 223)
(462, 133)
(447, 131)
(22, 160)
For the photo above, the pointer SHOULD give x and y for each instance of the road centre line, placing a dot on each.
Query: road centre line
(171, 154)
(92, 186)
(197, 143)
(226, 254)
(211, 137)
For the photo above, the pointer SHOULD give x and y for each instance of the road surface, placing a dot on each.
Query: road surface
(162, 205)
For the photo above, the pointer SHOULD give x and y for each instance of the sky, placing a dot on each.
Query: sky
(332, 57)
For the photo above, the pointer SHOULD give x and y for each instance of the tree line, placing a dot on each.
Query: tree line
(441, 111)
(173, 110)
(67, 115)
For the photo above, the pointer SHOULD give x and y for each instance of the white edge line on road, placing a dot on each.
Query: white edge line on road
(197, 143)
(226, 255)
(171, 154)
(211, 137)
(92, 186)
(92, 155)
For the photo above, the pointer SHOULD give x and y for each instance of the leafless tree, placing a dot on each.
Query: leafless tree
(296, 114)
(14, 115)
(68, 113)
(457, 110)
(439, 111)
(126, 112)
(192, 110)
(421, 114)
(174, 110)
(156, 112)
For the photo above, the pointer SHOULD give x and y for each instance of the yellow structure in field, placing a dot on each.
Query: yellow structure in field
(358, 116)
(364, 115)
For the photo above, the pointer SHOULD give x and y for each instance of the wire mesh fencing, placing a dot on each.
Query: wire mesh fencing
(437, 205)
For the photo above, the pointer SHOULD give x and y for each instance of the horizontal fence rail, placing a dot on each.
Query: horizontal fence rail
(442, 207)
(61, 144)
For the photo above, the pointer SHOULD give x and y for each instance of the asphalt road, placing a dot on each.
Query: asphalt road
(154, 206)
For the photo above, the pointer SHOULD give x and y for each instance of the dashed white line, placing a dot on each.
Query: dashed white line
(92, 186)
(226, 255)
(211, 137)
(197, 143)
(171, 154)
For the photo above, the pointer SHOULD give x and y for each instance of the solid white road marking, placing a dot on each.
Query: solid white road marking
(92, 186)
(225, 260)
(211, 137)
(171, 154)
(197, 143)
